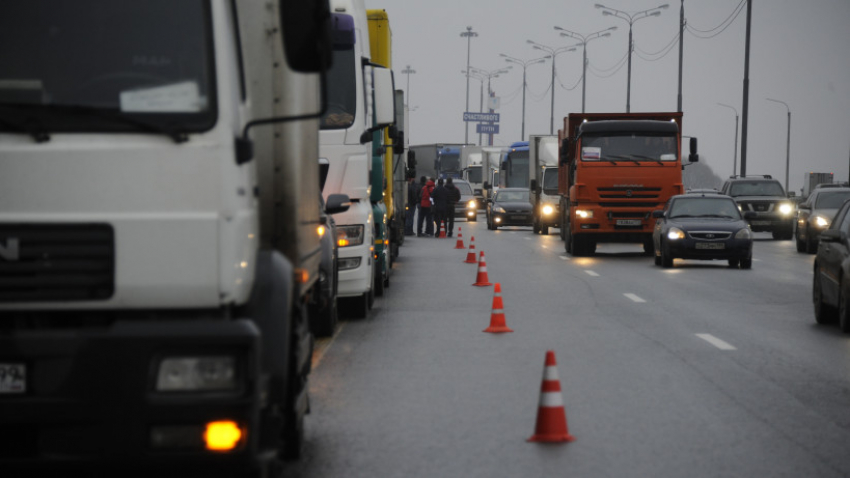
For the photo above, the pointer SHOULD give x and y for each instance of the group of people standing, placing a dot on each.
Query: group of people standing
(435, 204)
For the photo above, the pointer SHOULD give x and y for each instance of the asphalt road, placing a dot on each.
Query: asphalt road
(699, 370)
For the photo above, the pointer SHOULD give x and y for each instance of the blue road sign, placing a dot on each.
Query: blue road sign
(487, 128)
(491, 117)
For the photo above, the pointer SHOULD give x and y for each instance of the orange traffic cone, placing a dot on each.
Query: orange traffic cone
(497, 317)
(442, 230)
(470, 256)
(459, 244)
(482, 279)
(551, 415)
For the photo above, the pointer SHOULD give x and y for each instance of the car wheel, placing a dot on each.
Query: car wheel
(657, 255)
(843, 310)
(801, 245)
(747, 263)
(824, 313)
(734, 263)
(666, 257)
(648, 247)
(811, 243)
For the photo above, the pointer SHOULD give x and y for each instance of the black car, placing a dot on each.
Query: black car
(510, 207)
(763, 195)
(467, 206)
(702, 226)
(815, 214)
(831, 283)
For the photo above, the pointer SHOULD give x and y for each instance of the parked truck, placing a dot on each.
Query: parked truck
(810, 180)
(159, 214)
(543, 171)
(358, 93)
(438, 160)
(614, 170)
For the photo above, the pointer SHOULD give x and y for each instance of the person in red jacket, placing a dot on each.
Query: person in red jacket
(425, 210)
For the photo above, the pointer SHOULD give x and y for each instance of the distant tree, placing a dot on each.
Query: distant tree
(699, 176)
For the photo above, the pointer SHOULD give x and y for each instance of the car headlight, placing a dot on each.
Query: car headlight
(196, 374)
(498, 209)
(821, 222)
(744, 233)
(584, 213)
(674, 234)
(349, 235)
(471, 205)
(548, 209)
(786, 209)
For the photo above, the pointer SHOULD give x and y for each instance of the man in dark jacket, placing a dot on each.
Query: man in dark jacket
(441, 201)
(412, 204)
(453, 199)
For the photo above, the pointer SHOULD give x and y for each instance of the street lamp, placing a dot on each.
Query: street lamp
(584, 40)
(525, 64)
(735, 163)
(468, 34)
(408, 71)
(787, 141)
(631, 19)
(553, 52)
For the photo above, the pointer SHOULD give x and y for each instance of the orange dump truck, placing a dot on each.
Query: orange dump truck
(614, 169)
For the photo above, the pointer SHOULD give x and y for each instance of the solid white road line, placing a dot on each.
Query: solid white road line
(633, 297)
(716, 342)
(591, 273)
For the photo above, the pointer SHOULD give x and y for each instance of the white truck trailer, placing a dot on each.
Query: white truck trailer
(543, 172)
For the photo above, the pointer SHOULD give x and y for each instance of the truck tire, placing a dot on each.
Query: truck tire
(323, 320)
(378, 284)
(544, 230)
(297, 399)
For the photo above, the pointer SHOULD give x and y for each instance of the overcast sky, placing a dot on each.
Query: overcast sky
(799, 55)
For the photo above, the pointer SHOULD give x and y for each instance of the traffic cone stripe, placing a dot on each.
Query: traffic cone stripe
(551, 400)
(498, 311)
(550, 386)
(550, 373)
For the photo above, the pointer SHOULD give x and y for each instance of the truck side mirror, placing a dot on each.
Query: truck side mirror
(486, 185)
(308, 43)
(337, 203)
(535, 188)
(693, 157)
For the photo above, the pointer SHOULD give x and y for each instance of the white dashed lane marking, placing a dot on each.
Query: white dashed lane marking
(594, 274)
(633, 297)
(716, 342)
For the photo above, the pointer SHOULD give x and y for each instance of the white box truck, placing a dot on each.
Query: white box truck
(543, 171)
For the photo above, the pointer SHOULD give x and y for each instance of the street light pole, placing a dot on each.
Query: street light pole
(630, 19)
(525, 65)
(584, 40)
(474, 73)
(735, 161)
(468, 34)
(787, 141)
(553, 52)
(408, 71)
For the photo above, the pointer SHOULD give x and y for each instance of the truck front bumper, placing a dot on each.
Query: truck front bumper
(91, 400)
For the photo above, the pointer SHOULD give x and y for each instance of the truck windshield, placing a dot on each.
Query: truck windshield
(516, 169)
(450, 162)
(97, 65)
(342, 89)
(473, 174)
(550, 180)
(629, 147)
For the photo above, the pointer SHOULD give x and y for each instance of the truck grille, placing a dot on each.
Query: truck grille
(53, 262)
(628, 193)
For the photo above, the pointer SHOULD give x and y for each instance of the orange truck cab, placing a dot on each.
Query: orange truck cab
(614, 170)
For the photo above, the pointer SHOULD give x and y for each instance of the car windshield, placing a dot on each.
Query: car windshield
(831, 200)
(704, 207)
(97, 65)
(464, 188)
(628, 147)
(756, 188)
(512, 196)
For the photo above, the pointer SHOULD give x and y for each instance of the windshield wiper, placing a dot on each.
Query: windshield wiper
(716, 215)
(640, 156)
(30, 126)
(115, 115)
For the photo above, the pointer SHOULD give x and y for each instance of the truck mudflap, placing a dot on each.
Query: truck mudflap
(90, 398)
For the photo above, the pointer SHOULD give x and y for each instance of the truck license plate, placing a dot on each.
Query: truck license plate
(710, 245)
(628, 222)
(13, 378)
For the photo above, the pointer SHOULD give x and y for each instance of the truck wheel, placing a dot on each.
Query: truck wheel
(323, 321)
(378, 285)
(544, 230)
(297, 400)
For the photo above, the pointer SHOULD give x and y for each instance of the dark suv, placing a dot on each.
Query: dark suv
(764, 196)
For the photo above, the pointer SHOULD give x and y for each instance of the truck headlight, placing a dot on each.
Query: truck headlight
(744, 233)
(547, 209)
(584, 213)
(821, 222)
(786, 209)
(196, 374)
(349, 235)
(675, 234)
